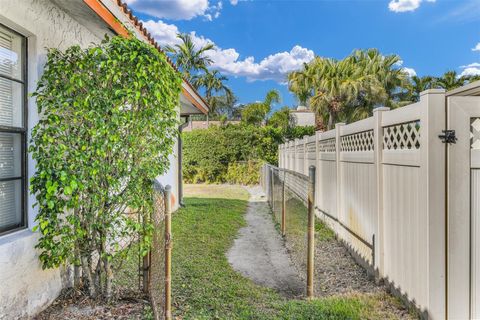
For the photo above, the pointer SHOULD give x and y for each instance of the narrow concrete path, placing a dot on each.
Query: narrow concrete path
(259, 252)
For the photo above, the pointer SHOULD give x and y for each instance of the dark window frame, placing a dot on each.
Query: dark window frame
(23, 130)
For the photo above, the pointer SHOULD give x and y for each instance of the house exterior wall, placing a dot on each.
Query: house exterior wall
(303, 118)
(25, 288)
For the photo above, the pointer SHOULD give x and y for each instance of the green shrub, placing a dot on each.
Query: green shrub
(245, 173)
(214, 155)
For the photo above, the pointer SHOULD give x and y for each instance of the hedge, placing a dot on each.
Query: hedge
(233, 153)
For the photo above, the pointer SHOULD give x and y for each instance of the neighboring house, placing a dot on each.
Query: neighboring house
(302, 116)
(27, 29)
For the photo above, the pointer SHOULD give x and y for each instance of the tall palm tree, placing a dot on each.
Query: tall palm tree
(188, 58)
(419, 84)
(339, 85)
(299, 84)
(213, 82)
(387, 72)
(256, 113)
(451, 80)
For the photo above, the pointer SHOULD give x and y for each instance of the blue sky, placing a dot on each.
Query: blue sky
(258, 42)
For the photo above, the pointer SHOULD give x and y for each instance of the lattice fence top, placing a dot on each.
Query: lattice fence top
(475, 133)
(327, 145)
(402, 136)
(361, 141)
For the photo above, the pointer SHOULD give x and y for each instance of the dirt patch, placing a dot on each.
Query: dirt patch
(259, 252)
(75, 305)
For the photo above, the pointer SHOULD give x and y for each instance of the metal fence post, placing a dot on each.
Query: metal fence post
(311, 231)
(284, 203)
(168, 254)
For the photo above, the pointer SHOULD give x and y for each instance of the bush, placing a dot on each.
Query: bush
(245, 173)
(211, 153)
(108, 126)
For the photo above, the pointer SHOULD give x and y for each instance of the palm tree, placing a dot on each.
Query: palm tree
(188, 58)
(256, 113)
(339, 86)
(451, 80)
(213, 82)
(387, 72)
(299, 84)
(419, 84)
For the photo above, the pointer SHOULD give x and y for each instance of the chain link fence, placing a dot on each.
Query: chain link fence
(288, 194)
(158, 262)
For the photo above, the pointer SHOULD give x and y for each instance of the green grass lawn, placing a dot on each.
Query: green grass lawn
(206, 287)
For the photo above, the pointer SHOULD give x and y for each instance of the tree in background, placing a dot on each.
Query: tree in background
(299, 84)
(256, 113)
(188, 58)
(281, 119)
(213, 83)
(451, 80)
(419, 84)
(339, 86)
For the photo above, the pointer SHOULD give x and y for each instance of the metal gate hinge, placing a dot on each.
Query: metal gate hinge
(448, 136)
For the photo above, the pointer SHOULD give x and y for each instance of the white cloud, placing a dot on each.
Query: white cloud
(405, 5)
(177, 9)
(274, 67)
(233, 2)
(477, 47)
(471, 65)
(410, 71)
(472, 69)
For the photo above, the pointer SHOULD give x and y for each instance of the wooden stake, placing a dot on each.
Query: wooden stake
(284, 204)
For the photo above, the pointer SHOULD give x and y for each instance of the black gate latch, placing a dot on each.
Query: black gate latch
(448, 136)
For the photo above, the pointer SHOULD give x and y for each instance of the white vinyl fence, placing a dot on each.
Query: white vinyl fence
(380, 185)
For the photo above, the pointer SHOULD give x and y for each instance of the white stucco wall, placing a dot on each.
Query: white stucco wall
(171, 176)
(303, 118)
(25, 288)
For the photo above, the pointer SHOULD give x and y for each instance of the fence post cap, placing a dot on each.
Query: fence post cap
(381, 109)
(432, 91)
(340, 124)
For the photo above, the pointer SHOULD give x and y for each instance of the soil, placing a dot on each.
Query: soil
(259, 252)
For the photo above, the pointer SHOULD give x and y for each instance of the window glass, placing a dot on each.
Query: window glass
(11, 55)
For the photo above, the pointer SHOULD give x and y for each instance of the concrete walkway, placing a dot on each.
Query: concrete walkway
(259, 252)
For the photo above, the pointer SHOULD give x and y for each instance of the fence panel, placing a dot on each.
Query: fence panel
(326, 178)
(358, 191)
(300, 156)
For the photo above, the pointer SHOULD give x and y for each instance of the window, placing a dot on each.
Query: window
(12, 130)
